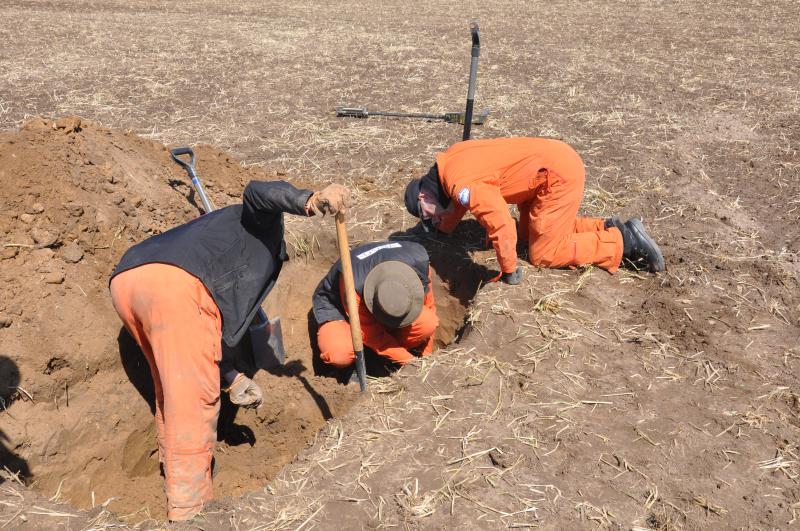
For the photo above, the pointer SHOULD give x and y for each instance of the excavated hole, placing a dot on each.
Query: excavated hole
(110, 452)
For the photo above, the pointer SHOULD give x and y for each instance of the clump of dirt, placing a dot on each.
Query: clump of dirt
(79, 422)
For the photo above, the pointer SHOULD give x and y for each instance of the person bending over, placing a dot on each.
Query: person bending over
(180, 293)
(544, 178)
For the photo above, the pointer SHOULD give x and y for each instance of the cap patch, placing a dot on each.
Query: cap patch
(370, 252)
(463, 197)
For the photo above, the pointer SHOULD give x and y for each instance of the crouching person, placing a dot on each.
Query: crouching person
(396, 307)
(180, 293)
(545, 179)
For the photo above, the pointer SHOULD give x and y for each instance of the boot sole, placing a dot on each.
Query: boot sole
(655, 260)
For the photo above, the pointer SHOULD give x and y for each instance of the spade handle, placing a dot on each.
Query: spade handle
(352, 305)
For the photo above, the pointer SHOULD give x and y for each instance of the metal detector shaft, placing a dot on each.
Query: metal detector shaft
(449, 117)
(408, 115)
(473, 77)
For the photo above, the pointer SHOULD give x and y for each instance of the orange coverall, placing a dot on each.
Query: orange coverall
(175, 321)
(545, 179)
(336, 343)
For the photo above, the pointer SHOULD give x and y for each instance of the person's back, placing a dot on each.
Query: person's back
(504, 162)
(236, 252)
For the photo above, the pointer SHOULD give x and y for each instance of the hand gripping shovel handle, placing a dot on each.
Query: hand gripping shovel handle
(352, 306)
(189, 167)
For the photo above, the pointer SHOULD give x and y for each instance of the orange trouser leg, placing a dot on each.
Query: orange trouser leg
(589, 224)
(558, 238)
(582, 224)
(336, 344)
(419, 331)
(137, 332)
(178, 326)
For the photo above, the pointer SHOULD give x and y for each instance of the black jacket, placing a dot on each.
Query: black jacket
(327, 301)
(236, 251)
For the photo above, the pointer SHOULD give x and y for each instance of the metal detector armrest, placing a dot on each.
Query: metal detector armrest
(352, 112)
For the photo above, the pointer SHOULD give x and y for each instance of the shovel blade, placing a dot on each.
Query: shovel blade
(267, 342)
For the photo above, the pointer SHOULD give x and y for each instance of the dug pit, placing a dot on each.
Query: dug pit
(79, 422)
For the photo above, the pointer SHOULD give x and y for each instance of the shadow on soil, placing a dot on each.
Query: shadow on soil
(138, 372)
(454, 271)
(9, 380)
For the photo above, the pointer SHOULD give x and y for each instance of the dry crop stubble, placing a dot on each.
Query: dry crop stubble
(683, 113)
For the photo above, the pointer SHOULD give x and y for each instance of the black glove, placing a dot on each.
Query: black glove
(512, 278)
(417, 351)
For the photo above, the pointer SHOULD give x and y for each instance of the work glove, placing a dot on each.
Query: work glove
(245, 392)
(514, 277)
(332, 199)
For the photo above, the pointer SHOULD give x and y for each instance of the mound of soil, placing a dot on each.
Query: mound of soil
(75, 196)
(78, 424)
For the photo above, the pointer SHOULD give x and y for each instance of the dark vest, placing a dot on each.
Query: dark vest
(237, 252)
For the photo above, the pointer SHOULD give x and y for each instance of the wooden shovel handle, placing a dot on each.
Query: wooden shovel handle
(350, 295)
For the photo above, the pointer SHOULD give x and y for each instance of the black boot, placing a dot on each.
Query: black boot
(639, 249)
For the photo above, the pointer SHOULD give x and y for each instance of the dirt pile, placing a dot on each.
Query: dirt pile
(75, 195)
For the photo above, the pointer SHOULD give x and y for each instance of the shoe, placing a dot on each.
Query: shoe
(639, 249)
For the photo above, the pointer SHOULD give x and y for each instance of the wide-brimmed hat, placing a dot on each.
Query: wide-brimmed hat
(394, 294)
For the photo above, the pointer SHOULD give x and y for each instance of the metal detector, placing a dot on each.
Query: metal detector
(475, 30)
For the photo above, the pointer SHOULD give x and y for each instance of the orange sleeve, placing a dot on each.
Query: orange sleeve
(490, 209)
(378, 339)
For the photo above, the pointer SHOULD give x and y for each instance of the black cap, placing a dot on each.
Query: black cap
(412, 197)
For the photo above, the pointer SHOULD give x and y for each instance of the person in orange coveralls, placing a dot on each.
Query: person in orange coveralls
(544, 178)
(180, 294)
(395, 304)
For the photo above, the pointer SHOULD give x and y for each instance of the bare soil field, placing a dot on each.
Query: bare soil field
(578, 399)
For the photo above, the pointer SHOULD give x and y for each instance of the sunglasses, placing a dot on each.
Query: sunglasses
(427, 223)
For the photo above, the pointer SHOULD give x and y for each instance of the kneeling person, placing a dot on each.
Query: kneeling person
(396, 307)
(545, 179)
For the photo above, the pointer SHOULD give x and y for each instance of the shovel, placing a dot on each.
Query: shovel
(266, 335)
(352, 305)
